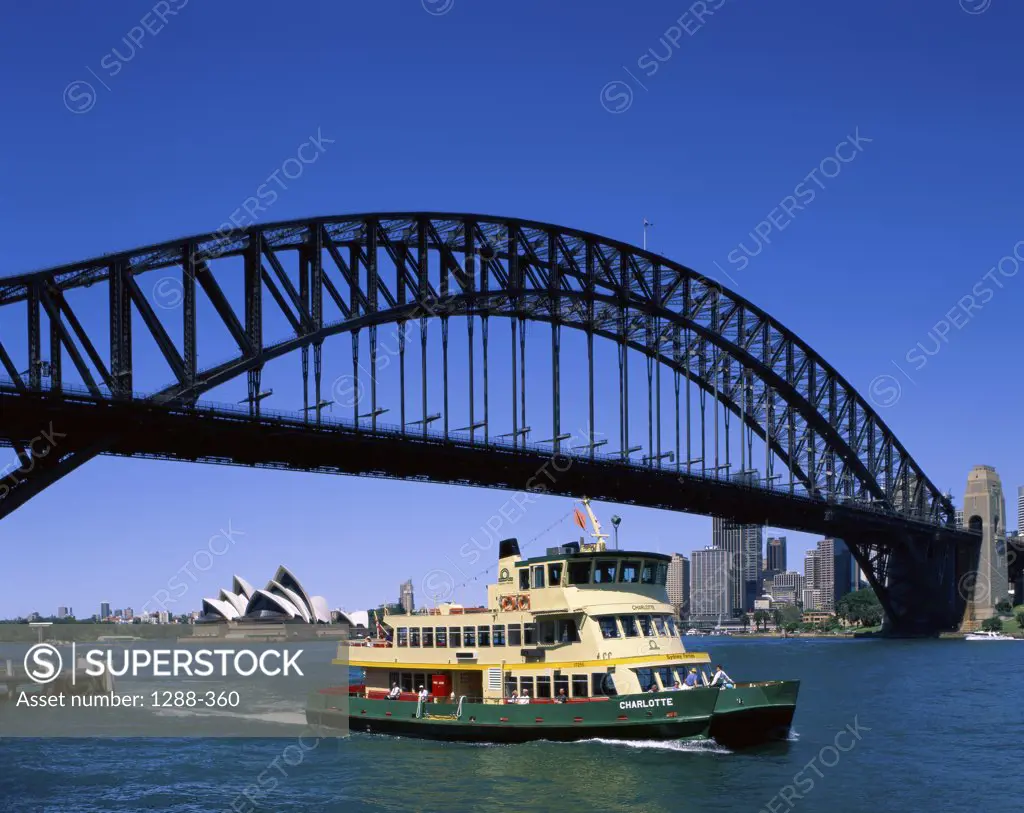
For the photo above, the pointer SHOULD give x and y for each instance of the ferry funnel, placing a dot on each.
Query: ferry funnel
(508, 547)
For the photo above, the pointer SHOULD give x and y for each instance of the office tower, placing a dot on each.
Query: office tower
(710, 585)
(985, 509)
(1020, 509)
(777, 554)
(678, 584)
(163, 617)
(787, 587)
(62, 612)
(844, 570)
(820, 576)
(959, 519)
(405, 597)
(743, 543)
(129, 613)
(104, 610)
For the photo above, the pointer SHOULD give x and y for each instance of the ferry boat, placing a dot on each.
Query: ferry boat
(987, 635)
(577, 644)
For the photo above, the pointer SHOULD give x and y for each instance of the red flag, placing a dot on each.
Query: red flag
(579, 519)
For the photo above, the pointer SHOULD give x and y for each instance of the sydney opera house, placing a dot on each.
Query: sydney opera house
(283, 599)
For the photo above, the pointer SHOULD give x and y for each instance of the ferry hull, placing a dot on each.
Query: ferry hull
(662, 716)
(755, 713)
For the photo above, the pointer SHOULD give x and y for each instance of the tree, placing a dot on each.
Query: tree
(777, 619)
(1003, 607)
(792, 627)
(993, 624)
(861, 607)
(745, 621)
(761, 619)
(1020, 617)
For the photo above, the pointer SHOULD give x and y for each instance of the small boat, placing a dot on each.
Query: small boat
(983, 635)
(577, 644)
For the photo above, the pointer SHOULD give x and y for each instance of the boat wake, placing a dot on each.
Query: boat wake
(682, 746)
(278, 717)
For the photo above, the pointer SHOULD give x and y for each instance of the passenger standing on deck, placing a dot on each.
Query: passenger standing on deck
(560, 697)
(524, 698)
(514, 698)
(394, 693)
(691, 679)
(424, 696)
(721, 677)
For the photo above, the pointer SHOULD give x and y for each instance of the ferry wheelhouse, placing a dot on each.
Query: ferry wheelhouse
(578, 643)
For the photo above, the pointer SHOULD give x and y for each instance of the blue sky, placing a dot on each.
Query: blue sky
(591, 115)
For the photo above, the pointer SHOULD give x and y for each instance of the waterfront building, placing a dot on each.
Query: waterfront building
(678, 584)
(405, 597)
(845, 570)
(163, 617)
(711, 585)
(959, 518)
(62, 612)
(104, 610)
(820, 575)
(787, 587)
(985, 509)
(1020, 509)
(283, 599)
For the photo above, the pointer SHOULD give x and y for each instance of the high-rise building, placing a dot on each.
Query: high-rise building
(959, 519)
(787, 587)
(1020, 509)
(62, 612)
(820, 576)
(678, 584)
(744, 544)
(405, 597)
(844, 570)
(985, 509)
(104, 610)
(777, 554)
(710, 585)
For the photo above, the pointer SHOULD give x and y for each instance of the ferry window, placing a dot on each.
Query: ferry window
(442, 636)
(402, 638)
(406, 681)
(538, 576)
(483, 635)
(608, 686)
(659, 622)
(526, 685)
(597, 684)
(547, 632)
(645, 625)
(646, 678)
(555, 574)
(647, 573)
(665, 673)
(561, 684)
(671, 626)
(414, 636)
(469, 636)
(515, 635)
(543, 686)
(529, 634)
(428, 636)
(566, 631)
(609, 629)
(510, 684)
(420, 680)
(455, 636)
(630, 572)
(579, 685)
(499, 635)
(604, 572)
(524, 579)
(579, 572)
(629, 625)
(662, 574)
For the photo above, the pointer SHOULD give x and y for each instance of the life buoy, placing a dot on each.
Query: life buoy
(508, 603)
(524, 602)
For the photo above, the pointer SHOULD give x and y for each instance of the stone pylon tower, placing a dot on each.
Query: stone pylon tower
(985, 508)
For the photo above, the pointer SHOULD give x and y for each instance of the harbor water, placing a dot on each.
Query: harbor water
(880, 725)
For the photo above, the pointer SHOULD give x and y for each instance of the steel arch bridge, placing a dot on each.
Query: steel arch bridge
(812, 453)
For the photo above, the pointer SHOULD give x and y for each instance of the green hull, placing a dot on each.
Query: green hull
(664, 716)
(754, 713)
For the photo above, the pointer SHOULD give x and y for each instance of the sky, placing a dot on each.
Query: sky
(852, 169)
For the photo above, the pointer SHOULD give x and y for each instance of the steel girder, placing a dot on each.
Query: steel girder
(441, 265)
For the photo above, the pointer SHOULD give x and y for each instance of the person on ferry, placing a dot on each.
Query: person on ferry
(524, 698)
(654, 686)
(395, 692)
(424, 696)
(721, 677)
(367, 642)
(676, 684)
(560, 697)
(514, 698)
(691, 679)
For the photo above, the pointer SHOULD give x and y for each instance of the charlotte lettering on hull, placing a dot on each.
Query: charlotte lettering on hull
(646, 704)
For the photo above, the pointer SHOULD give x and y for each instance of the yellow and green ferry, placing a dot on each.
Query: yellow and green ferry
(578, 644)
